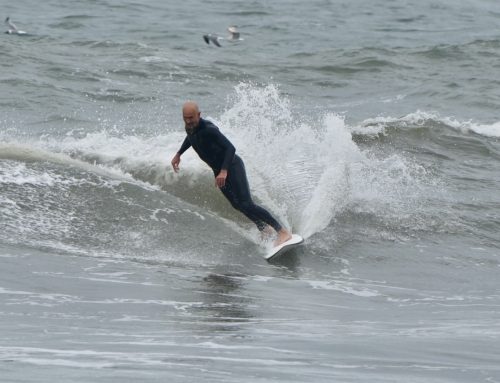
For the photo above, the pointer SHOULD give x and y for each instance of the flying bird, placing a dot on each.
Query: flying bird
(12, 28)
(234, 35)
(211, 38)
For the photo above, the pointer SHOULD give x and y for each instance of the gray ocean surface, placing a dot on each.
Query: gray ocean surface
(371, 128)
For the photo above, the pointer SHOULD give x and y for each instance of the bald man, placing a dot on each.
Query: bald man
(229, 171)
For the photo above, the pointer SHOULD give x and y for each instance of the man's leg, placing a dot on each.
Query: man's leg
(237, 192)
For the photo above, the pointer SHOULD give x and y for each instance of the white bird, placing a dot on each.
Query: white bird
(234, 34)
(12, 28)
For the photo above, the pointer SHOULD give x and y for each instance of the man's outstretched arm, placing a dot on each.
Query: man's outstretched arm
(177, 158)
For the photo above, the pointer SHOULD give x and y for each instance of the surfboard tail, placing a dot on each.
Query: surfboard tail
(276, 251)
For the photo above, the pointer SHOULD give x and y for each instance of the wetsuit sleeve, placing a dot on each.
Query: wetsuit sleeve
(227, 146)
(185, 146)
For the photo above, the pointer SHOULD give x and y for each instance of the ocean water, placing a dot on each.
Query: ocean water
(371, 128)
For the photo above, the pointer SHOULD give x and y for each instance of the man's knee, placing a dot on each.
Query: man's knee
(245, 206)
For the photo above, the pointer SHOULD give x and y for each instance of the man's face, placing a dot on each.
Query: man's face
(191, 119)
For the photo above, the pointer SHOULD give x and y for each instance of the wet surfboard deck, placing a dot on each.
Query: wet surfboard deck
(276, 251)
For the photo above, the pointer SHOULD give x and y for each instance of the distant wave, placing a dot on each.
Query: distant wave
(453, 50)
(421, 119)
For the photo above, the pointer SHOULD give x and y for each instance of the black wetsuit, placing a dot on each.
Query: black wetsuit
(218, 152)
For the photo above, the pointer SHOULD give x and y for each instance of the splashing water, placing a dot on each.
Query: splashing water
(307, 172)
(299, 170)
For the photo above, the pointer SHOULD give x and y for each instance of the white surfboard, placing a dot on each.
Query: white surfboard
(284, 247)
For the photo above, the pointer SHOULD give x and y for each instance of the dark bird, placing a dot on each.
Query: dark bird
(212, 38)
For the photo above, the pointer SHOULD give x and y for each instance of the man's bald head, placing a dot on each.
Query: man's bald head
(191, 116)
(190, 106)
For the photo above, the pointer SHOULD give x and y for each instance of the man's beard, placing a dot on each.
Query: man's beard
(189, 129)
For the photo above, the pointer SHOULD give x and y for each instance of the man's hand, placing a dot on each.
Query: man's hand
(220, 180)
(175, 162)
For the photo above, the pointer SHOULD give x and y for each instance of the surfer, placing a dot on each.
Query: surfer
(229, 171)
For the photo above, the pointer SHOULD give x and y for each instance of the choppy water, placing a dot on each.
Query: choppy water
(370, 128)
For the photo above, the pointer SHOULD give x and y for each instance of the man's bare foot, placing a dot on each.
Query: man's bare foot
(283, 236)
